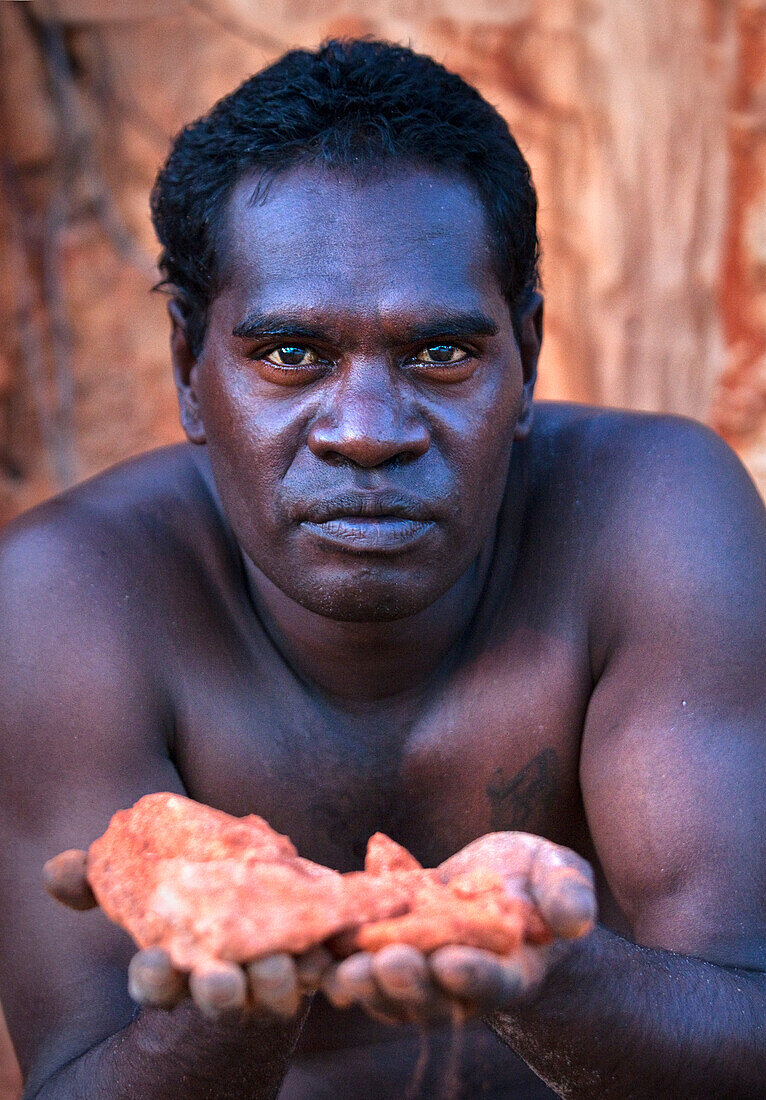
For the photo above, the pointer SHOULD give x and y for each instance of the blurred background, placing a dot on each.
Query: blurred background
(644, 122)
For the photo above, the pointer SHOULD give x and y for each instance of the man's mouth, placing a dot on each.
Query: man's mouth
(371, 534)
(381, 523)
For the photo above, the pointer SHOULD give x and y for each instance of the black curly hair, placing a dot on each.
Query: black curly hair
(352, 105)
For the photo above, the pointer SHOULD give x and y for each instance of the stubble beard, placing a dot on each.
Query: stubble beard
(358, 602)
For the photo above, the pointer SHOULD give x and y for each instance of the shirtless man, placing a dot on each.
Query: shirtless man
(373, 592)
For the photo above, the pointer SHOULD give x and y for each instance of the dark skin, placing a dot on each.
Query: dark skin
(496, 625)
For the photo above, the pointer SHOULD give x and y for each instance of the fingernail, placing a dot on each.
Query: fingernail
(274, 985)
(219, 989)
(152, 979)
(65, 879)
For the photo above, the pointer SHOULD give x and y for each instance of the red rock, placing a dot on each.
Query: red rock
(207, 886)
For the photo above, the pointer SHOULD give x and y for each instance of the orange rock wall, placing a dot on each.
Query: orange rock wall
(739, 409)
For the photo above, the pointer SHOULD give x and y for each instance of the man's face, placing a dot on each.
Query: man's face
(359, 387)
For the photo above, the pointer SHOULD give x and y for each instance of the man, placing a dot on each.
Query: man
(374, 592)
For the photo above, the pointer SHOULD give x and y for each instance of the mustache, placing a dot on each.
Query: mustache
(370, 504)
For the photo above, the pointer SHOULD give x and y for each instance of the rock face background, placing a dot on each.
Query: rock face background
(645, 125)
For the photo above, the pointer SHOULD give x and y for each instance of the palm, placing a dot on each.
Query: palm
(555, 879)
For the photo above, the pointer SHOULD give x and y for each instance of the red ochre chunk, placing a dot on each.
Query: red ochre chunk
(206, 886)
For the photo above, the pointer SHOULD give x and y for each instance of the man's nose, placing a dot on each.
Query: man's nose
(368, 423)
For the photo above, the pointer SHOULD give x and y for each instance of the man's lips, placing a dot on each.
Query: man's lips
(369, 522)
(371, 534)
(371, 505)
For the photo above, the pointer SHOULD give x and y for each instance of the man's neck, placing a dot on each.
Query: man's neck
(364, 663)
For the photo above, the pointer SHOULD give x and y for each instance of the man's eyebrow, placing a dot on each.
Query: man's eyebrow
(276, 324)
(451, 323)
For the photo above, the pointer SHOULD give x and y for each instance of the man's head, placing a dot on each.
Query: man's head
(356, 107)
(352, 340)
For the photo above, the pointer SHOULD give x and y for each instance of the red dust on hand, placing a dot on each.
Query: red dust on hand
(472, 910)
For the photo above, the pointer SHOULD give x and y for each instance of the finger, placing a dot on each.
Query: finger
(404, 978)
(401, 972)
(508, 854)
(65, 878)
(311, 968)
(153, 980)
(219, 989)
(479, 977)
(351, 981)
(561, 884)
(273, 984)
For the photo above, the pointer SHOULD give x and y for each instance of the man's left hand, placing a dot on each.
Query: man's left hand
(401, 984)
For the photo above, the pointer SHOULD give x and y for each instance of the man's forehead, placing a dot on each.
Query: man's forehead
(321, 226)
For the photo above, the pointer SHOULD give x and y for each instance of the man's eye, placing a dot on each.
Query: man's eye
(289, 356)
(441, 354)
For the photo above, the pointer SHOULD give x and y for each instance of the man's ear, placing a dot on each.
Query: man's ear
(530, 341)
(185, 374)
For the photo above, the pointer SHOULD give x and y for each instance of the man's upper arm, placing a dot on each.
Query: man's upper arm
(673, 762)
(80, 737)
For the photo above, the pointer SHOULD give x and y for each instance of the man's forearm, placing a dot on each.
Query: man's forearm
(177, 1054)
(620, 1022)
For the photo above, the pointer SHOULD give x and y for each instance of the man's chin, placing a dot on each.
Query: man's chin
(363, 604)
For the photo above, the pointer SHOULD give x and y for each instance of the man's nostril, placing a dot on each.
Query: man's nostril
(369, 444)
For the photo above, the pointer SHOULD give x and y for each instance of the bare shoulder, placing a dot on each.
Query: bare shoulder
(84, 721)
(671, 528)
(133, 508)
(612, 448)
(641, 479)
(672, 543)
(115, 545)
(82, 586)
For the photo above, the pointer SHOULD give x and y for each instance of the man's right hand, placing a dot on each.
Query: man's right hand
(271, 987)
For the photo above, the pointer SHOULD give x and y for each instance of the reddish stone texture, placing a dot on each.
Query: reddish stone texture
(206, 887)
(739, 411)
(473, 909)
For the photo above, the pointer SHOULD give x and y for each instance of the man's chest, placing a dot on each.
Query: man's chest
(492, 744)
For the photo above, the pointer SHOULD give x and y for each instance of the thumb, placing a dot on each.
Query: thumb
(65, 878)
